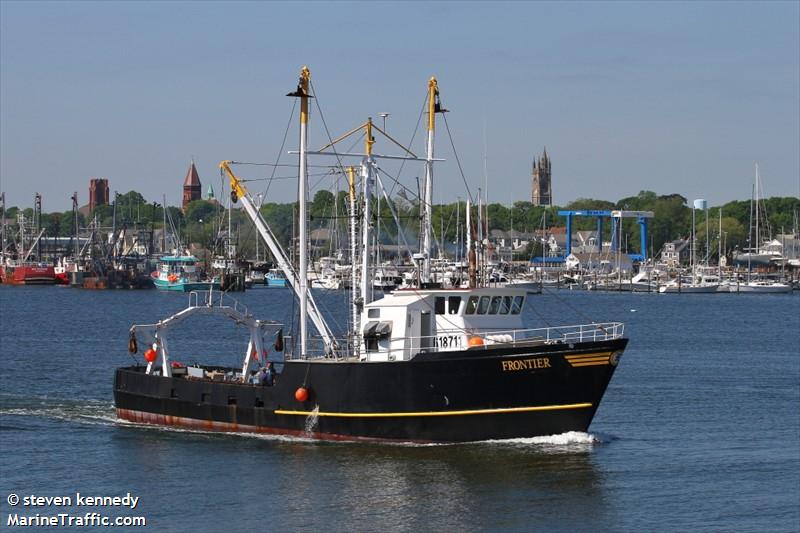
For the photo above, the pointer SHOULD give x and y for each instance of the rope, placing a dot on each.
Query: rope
(458, 161)
(413, 136)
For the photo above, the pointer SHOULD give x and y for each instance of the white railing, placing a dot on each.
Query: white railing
(492, 339)
(215, 299)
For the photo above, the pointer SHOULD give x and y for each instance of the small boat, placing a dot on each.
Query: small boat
(698, 285)
(761, 287)
(180, 273)
(386, 278)
(275, 278)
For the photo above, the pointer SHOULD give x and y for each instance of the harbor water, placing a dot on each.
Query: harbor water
(699, 428)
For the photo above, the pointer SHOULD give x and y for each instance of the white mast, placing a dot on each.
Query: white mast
(351, 181)
(458, 229)
(305, 76)
(367, 165)
(719, 247)
(427, 202)
(758, 236)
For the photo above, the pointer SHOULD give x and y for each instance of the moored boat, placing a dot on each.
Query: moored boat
(181, 274)
(275, 278)
(27, 273)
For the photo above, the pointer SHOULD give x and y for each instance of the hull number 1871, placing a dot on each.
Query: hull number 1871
(448, 341)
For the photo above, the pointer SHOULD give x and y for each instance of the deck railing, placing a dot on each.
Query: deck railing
(215, 299)
(494, 339)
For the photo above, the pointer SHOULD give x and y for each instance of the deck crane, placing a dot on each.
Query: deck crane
(239, 192)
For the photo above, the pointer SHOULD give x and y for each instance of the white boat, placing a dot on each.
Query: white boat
(386, 278)
(762, 287)
(704, 284)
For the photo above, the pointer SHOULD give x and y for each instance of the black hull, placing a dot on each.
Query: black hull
(495, 393)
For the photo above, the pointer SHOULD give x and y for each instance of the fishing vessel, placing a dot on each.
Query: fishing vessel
(27, 273)
(180, 273)
(422, 364)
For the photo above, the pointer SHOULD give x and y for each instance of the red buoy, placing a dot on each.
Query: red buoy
(475, 341)
(150, 355)
(301, 394)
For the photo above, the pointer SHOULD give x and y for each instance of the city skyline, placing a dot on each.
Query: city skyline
(673, 98)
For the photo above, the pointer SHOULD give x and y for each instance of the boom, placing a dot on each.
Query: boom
(280, 257)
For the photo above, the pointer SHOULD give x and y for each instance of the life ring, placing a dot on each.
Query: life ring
(172, 278)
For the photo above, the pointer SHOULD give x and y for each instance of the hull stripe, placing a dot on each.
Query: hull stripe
(587, 356)
(598, 363)
(438, 413)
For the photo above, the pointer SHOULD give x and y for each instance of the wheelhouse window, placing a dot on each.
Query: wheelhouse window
(516, 307)
(472, 305)
(495, 305)
(453, 303)
(375, 331)
(439, 305)
(505, 305)
(483, 306)
(373, 313)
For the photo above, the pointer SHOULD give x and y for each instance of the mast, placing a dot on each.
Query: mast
(433, 95)
(750, 232)
(305, 76)
(164, 230)
(458, 230)
(3, 227)
(75, 218)
(758, 235)
(719, 247)
(366, 234)
(471, 260)
(356, 310)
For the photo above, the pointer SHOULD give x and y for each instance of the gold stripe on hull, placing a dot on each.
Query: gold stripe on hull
(439, 413)
(591, 359)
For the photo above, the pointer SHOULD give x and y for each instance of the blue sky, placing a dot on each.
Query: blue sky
(671, 97)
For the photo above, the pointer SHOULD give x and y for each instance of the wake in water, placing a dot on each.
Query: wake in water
(103, 413)
(83, 411)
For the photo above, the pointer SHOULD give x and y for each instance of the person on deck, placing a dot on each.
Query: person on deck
(268, 377)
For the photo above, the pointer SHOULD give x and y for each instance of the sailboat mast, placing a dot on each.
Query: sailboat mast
(305, 76)
(758, 235)
(471, 260)
(719, 247)
(458, 229)
(433, 92)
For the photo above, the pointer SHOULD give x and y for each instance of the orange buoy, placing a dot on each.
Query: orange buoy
(475, 341)
(301, 394)
(150, 355)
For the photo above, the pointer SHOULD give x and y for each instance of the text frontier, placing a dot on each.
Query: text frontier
(526, 364)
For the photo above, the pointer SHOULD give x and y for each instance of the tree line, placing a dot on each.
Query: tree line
(205, 222)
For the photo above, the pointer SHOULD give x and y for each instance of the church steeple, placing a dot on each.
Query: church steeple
(541, 186)
(192, 188)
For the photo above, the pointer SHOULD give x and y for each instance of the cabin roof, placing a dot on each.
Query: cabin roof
(405, 297)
